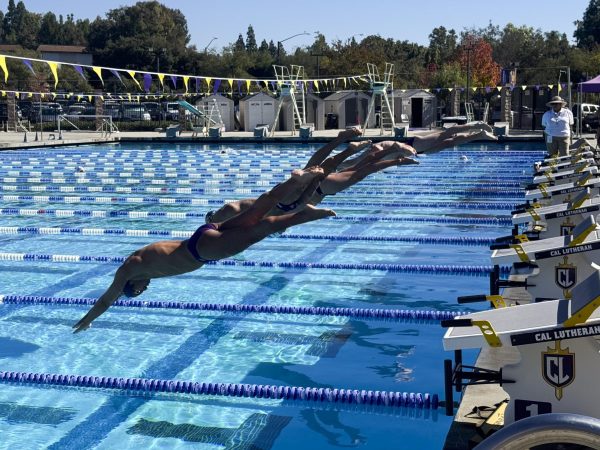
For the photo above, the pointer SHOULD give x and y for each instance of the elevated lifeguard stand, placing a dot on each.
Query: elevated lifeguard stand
(290, 86)
(380, 98)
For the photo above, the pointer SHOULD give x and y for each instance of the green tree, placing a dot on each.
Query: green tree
(49, 30)
(239, 45)
(125, 37)
(251, 46)
(587, 31)
(442, 45)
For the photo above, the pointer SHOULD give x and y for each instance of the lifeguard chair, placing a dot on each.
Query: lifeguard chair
(380, 99)
(290, 87)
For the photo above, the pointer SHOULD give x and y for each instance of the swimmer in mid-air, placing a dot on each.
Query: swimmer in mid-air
(211, 242)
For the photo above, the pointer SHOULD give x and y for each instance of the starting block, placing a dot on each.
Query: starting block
(564, 165)
(554, 266)
(556, 341)
(553, 195)
(559, 219)
(565, 176)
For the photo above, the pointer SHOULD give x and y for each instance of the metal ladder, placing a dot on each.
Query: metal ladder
(380, 98)
(287, 85)
(486, 112)
(469, 112)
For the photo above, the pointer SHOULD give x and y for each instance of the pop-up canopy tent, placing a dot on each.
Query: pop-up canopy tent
(592, 85)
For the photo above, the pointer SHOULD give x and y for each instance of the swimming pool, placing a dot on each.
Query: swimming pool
(410, 238)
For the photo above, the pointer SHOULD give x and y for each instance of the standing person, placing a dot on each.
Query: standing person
(210, 242)
(557, 124)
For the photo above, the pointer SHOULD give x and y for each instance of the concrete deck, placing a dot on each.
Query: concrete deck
(14, 140)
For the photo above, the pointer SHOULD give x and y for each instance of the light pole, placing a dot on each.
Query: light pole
(157, 52)
(304, 33)
(208, 45)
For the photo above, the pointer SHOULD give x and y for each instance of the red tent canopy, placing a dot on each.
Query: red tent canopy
(592, 85)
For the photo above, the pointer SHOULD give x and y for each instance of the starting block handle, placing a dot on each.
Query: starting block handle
(496, 300)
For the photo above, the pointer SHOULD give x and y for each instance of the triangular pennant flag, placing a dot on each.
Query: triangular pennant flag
(90, 98)
(488, 89)
(450, 89)
(558, 88)
(4, 68)
(437, 90)
(248, 86)
(161, 78)
(427, 90)
(523, 87)
(132, 75)
(230, 81)
(498, 88)
(186, 78)
(208, 80)
(239, 84)
(28, 64)
(98, 71)
(216, 87)
(79, 70)
(147, 82)
(266, 84)
(129, 97)
(54, 70)
(117, 75)
(344, 82)
(474, 89)
(550, 86)
(174, 81)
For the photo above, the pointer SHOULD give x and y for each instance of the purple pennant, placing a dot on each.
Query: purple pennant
(217, 84)
(462, 89)
(438, 90)
(239, 83)
(273, 88)
(198, 84)
(174, 80)
(29, 66)
(116, 74)
(147, 82)
(563, 85)
(79, 70)
(488, 89)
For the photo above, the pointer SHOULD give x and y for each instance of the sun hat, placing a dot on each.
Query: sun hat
(556, 99)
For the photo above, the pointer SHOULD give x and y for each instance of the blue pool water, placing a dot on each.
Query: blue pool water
(442, 197)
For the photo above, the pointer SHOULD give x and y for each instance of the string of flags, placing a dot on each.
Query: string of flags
(194, 85)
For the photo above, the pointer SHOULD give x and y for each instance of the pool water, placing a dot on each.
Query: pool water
(443, 197)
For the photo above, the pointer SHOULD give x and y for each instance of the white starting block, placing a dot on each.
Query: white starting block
(560, 359)
(549, 166)
(565, 176)
(554, 165)
(560, 219)
(553, 195)
(554, 266)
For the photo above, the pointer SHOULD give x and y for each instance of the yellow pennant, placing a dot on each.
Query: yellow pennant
(186, 78)
(450, 89)
(559, 88)
(523, 87)
(30, 94)
(474, 89)
(266, 84)
(161, 77)
(345, 80)
(4, 94)
(79, 98)
(53, 96)
(550, 86)
(208, 80)
(4, 68)
(54, 70)
(102, 97)
(42, 95)
(98, 71)
(90, 98)
(248, 86)
(498, 88)
(132, 75)
(129, 97)
(426, 90)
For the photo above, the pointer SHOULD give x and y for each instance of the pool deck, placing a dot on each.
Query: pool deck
(19, 140)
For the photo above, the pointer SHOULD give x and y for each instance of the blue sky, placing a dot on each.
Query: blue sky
(397, 19)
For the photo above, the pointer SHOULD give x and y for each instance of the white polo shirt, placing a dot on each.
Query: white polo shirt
(558, 123)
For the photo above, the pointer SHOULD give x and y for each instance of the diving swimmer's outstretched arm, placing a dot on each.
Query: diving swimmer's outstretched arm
(113, 292)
